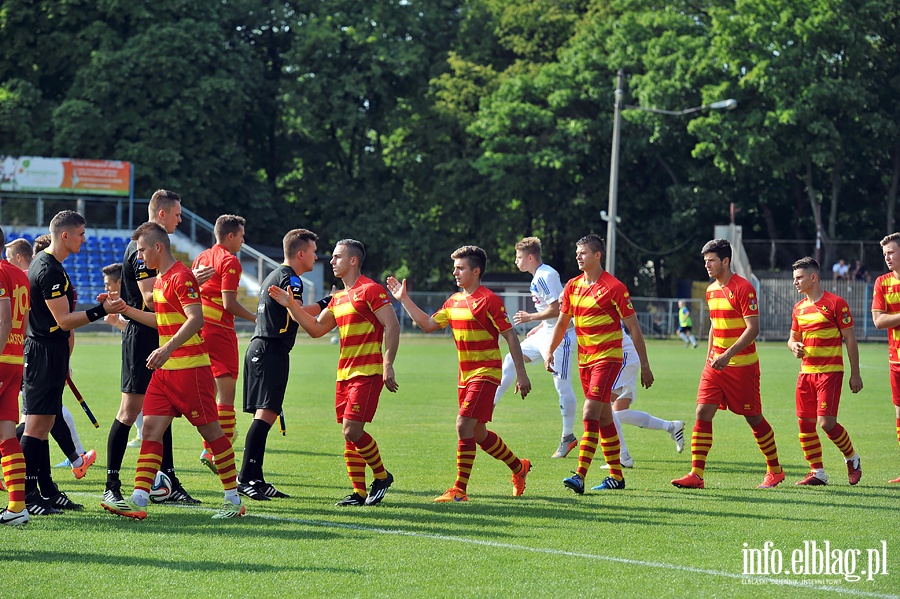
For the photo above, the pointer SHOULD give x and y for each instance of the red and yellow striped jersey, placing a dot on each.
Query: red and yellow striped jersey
(226, 278)
(820, 324)
(172, 291)
(886, 298)
(361, 332)
(476, 321)
(598, 311)
(14, 287)
(728, 307)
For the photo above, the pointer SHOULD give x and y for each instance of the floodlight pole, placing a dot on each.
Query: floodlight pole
(611, 215)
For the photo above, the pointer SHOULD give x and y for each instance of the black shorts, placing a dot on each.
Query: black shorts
(684, 329)
(46, 369)
(266, 365)
(138, 342)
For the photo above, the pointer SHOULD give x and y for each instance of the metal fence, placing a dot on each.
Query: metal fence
(658, 317)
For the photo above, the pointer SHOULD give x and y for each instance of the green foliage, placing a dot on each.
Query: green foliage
(421, 126)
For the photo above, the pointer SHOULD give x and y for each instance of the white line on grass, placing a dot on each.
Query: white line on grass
(406, 533)
(757, 580)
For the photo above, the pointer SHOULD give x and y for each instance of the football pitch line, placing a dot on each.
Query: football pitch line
(757, 580)
(591, 556)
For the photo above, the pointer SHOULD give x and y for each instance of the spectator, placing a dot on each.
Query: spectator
(841, 270)
(860, 273)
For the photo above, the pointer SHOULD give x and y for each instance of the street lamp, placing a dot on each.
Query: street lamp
(610, 215)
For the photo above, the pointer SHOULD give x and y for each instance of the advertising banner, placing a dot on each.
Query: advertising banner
(64, 175)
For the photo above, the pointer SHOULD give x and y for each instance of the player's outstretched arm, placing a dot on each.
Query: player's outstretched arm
(314, 327)
(883, 320)
(423, 320)
(523, 384)
(59, 308)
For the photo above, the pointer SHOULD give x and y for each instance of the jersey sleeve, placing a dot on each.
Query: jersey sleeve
(230, 271)
(878, 302)
(5, 285)
(795, 324)
(842, 313)
(442, 316)
(376, 297)
(747, 302)
(294, 284)
(53, 283)
(565, 302)
(622, 300)
(549, 287)
(496, 311)
(140, 269)
(186, 288)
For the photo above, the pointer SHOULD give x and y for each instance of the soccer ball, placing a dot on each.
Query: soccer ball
(161, 489)
(335, 339)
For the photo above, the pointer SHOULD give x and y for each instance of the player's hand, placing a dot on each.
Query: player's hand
(521, 317)
(548, 363)
(646, 377)
(280, 295)
(203, 273)
(158, 357)
(111, 319)
(390, 383)
(523, 385)
(113, 304)
(798, 350)
(856, 383)
(397, 289)
(718, 362)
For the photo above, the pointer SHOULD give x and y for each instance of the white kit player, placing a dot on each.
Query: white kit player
(623, 394)
(545, 291)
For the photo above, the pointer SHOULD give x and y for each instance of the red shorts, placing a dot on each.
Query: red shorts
(10, 384)
(735, 388)
(190, 392)
(357, 398)
(895, 383)
(222, 345)
(476, 400)
(597, 379)
(819, 394)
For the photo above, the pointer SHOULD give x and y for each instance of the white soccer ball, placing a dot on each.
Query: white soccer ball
(161, 489)
(335, 339)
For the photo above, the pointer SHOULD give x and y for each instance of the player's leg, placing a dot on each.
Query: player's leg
(596, 381)
(563, 358)
(806, 400)
(12, 462)
(828, 386)
(626, 415)
(895, 397)
(363, 394)
(223, 355)
(138, 428)
(710, 395)
(475, 412)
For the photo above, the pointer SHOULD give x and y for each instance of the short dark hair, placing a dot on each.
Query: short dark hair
(354, 248)
(65, 220)
(41, 242)
(228, 223)
(113, 271)
(153, 233)
(297, 240)
(895, 237)
(593, 241)
(806, 263)
(719, 247)
(474, 255)
(162, 199)
(19, 247)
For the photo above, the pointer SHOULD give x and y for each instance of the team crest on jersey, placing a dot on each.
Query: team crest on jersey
(846, 319)
(474, 304)
(356, 296)
(753, 307)
(2, 291)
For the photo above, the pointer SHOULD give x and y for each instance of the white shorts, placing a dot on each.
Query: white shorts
(626, 383)
(535, 348)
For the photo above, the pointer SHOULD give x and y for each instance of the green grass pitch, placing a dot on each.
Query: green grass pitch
(650, 540)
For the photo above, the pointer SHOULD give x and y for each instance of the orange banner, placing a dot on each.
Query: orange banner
(64, 175)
